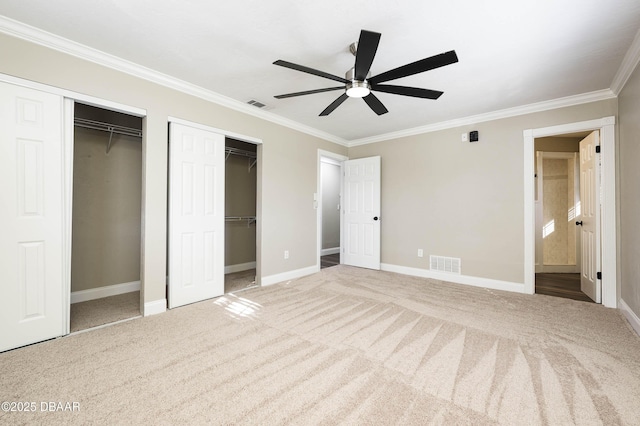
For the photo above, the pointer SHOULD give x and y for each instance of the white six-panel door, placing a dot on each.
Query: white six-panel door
(361, 212)
(590, 209)
(196, 215)
(31, 182)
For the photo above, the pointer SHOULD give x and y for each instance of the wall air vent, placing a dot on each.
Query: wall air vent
(451, 265)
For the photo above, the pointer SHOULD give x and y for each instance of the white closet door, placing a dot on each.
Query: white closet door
(31, 215)
(196, 215)
(361, 212)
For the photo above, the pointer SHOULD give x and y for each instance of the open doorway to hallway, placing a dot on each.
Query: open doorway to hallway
(564, 200)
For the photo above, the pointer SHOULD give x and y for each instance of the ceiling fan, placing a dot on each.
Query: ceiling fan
(358, 82)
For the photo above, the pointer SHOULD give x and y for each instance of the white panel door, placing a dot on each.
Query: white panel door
(590, 220)
(361, 212)
(196, 215)
(31, 214)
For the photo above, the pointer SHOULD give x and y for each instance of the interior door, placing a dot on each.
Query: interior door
(31, 215)
(196, 215)
(361, 213)
(590, 220)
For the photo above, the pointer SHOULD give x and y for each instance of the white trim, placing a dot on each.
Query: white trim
(239, 267)
(631, 316)
(326, 252)
(67, 207)
(52, 41)
(455, 278)
(155, 307)
(332, 158)
(289, 275)
(628, 65)
(606, 126)
(106, 291)
(584, 98)
(557, 269)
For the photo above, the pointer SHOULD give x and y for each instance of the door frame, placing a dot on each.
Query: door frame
(606, 126)
(334, 157)
(259, 145)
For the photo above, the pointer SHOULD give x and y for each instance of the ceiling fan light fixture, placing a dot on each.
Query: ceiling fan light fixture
(358, 89)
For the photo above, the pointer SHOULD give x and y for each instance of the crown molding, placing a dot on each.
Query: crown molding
(629, 64)
(490, 116)
(52, 41)
(43, 38)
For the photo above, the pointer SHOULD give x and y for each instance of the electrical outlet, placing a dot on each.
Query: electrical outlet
(464, 137)
(420, 253)
(286, 254)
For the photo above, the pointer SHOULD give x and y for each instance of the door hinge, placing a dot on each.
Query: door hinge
(599, 275)
(597, 149)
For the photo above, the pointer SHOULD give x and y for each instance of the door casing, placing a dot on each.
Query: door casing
(606, 126)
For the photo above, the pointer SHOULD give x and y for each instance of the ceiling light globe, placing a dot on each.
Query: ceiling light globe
(358, 89)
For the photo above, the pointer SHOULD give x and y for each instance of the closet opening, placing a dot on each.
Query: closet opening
(240, 215)
(106, 217)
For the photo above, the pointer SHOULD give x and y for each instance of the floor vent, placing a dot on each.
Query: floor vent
(257, 104)
(451, 265)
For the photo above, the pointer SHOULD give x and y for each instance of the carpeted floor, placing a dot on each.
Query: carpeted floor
(343, 346)
(239, 281)
(93, 313)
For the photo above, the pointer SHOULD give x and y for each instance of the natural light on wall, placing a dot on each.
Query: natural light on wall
(573, 212)
(548, 229)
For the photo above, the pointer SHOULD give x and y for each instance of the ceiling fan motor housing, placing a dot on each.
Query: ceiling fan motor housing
(356, 88)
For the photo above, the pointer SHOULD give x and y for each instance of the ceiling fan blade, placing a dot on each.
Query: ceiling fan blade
(366, 51)
(308, 92)
(416, 92)
(335, 104)
(309, 70)
(375, 104)
(417, 67)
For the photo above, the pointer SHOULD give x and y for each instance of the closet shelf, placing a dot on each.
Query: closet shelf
(107, 127)
(229, 150)
(248, 219)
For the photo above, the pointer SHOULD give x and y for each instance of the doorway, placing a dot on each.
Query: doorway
(240, 215)
(327, 201)
(106, 217)
(606, 264)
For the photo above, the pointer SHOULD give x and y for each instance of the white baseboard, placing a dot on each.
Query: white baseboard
(630, 315)
(455, 278)
(289, 275)
(325, 252)
(557, 269)
(100, 292)
(230, 269)
(155, 307)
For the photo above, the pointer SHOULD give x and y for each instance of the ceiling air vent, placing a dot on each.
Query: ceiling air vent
(451, 265)
(257, 104)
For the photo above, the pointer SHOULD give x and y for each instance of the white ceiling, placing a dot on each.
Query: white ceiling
(512, 53)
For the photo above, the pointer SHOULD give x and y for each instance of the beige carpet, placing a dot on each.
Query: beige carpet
(344, 346)
(239, 281)
(93, 313)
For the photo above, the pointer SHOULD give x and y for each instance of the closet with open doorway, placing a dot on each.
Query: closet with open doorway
(240, 215)
(106, 218)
